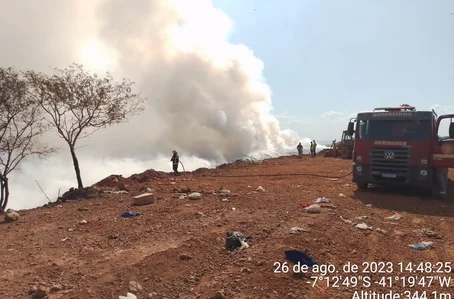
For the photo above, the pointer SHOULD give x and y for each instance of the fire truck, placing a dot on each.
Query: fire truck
(402, 146)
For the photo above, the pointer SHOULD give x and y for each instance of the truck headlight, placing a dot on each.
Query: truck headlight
(424, 161)
(359, 168)
(359, 158)
(423, 172)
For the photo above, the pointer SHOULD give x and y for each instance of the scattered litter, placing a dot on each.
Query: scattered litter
(233, 209)
(225, 193)
(249, 186)
(363, 226)
(179, 195)
(65, 239)
(195, 196)
(182, 197)
(427, 233)
(129, 214)
(128, 296)
(147, 190)
(322, 200)
(322, 205)
(332, 179)
(235, 240)
(362, 217)
(394, 217)
(297, 230)
(421, 246)
(381, 231)
(83, 222)
(224, 199)
(298, 257)
(314, 209)
(260, 189)
(116, 192)
(342, 195)
(369, 205)
(346, 220)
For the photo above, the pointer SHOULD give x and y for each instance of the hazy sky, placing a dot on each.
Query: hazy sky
(344, 56)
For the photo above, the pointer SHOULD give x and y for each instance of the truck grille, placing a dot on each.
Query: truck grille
(396, 161)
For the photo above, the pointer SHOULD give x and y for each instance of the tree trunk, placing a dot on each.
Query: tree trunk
(76, 166)
(4, 190)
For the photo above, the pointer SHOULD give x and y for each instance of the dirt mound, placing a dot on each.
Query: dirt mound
(81, 193)
(149, 174)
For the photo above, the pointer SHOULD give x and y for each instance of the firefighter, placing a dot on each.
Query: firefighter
(299, 147)
(313, 148)
(441, 182)
(175, 161)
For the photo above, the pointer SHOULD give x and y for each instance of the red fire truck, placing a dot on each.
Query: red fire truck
(402, 146)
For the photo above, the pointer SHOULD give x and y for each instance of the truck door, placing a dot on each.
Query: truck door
(443, 151)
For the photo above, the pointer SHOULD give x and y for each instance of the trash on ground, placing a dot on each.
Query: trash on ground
(65, 239)
(315, 209)
(225, 193)
(421, 246)
(427, 233)
(363, 226)
(296, 256)
(322, 205)
(346, 220)
(394, 217)
(322, 200)
(128, 296)
(129, 214)
(235, 240)
(369, 205)
(195, 196)
(83, 222)
(342, 195)
(297, 230)
(260, 189)
(11, 215)
(179, 195)
(362, 217)
(381, 231)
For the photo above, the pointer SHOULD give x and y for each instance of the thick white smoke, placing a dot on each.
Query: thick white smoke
(206, 96)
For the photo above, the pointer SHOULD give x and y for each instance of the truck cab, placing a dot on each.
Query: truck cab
(402, 146)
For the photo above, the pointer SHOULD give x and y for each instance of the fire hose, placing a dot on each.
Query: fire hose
(182, 166)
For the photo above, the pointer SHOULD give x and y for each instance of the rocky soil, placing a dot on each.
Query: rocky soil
(83, 248)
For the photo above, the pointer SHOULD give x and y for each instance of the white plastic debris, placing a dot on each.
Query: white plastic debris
(381, 231)
(362, 217)
(260, 189)
(342, 195)
(322, 200)
(128, 296)
(346, 220)
(421, 246)
(394, 217)
(363, 226)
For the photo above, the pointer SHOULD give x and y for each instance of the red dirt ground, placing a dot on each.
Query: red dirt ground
(176, 248)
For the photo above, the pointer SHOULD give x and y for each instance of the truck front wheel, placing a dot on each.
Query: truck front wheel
(362, 186)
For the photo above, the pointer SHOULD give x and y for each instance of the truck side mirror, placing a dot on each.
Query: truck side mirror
(451, 130)
(351, 129)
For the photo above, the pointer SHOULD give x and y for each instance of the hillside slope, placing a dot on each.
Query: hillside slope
(175, 249)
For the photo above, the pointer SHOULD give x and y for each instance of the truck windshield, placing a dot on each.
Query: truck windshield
(394, 129)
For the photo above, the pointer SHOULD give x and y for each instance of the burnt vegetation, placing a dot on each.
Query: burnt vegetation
(72, 102)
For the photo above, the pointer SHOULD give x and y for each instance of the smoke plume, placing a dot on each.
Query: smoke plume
(206, 97)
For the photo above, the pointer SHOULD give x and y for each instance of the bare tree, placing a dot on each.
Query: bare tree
(21, 124)
(79, 103)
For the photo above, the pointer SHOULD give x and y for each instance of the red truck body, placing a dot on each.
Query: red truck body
(402, 146)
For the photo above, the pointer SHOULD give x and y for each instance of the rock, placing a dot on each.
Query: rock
(219, 295)
(11, 215)
(297, 230)
(179, 195)
(82, 209)
(362, 217)
(260, 189)
(195, 196)
(83, 222)
(152, 295)
(235, 240)
(38, 292)
(147, 190)
(427, 233)
(363, 226)
(185, 257)
(342, 195)
(381, 231)
(143, 199)
(182, 197)
(315, 209)
(224, 199)
(55, 288)
(225, 193)
(135, 287)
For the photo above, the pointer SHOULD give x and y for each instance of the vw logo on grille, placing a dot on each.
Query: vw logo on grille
(389, 155)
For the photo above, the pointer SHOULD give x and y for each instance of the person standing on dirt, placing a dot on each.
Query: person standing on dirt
(314, 144)
(175, 161)
(300, 149)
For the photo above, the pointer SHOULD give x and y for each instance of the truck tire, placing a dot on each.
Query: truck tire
(362, 186)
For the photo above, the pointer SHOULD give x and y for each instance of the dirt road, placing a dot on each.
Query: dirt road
(175, 249)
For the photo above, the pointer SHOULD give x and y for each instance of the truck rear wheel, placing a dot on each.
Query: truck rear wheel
(362, 186)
